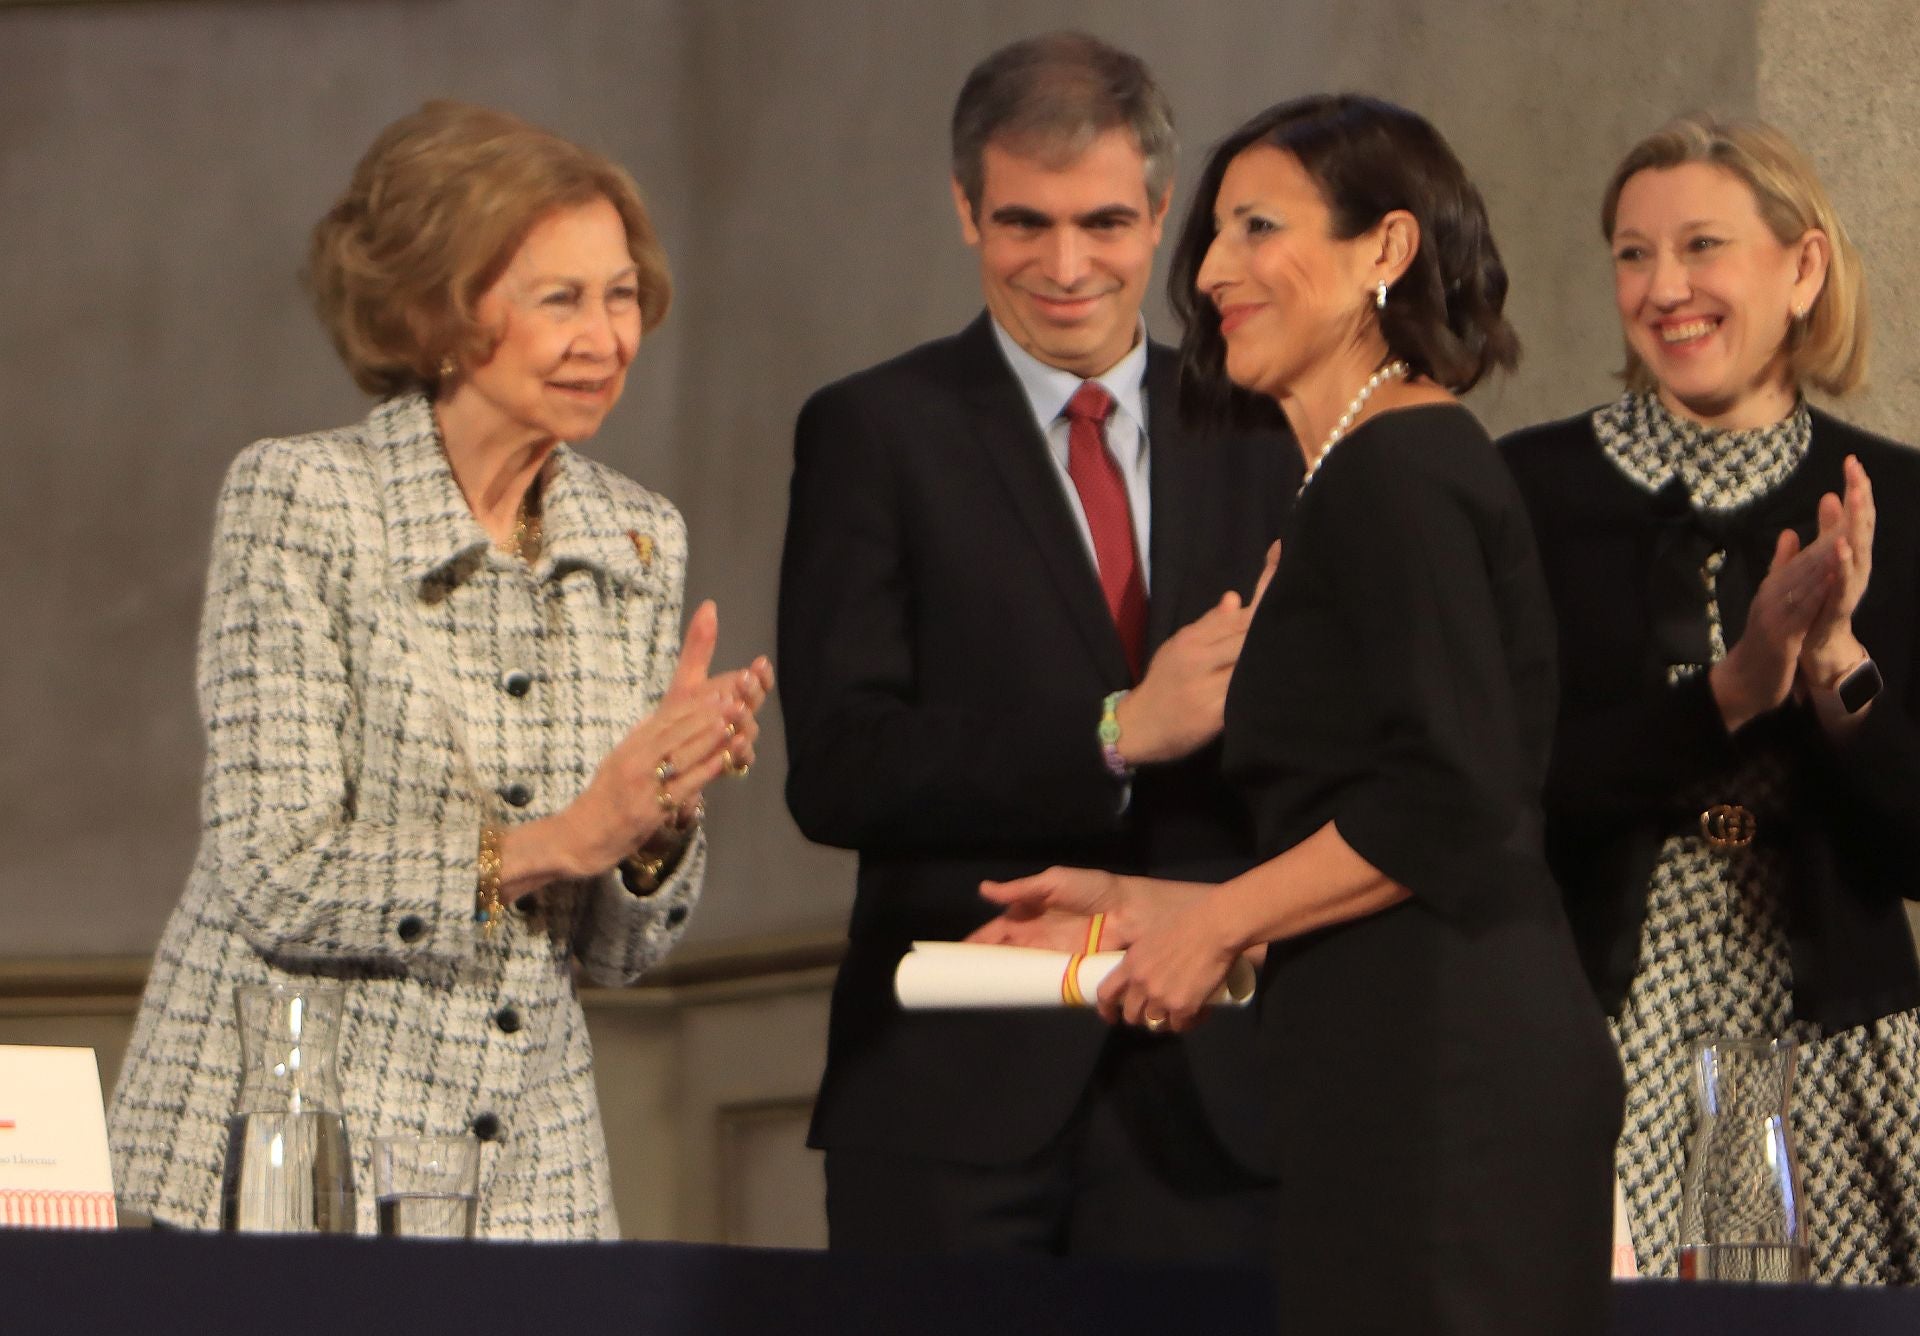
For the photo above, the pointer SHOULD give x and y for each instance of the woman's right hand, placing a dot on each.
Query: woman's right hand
(702, 727)
(1831, 648)
(1757, 674)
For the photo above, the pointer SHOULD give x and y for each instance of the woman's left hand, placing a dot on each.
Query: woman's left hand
(1830, 648)
(1172, 972)
(1177, 953)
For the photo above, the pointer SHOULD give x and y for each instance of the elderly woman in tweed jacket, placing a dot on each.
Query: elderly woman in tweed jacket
(455, 747)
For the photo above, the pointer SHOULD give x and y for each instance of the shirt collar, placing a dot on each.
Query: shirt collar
(1722, 470)
(430, 530)
(1048, 387)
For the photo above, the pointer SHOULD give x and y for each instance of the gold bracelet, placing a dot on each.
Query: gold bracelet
(684, 818)
(487, 906)
(640, 871)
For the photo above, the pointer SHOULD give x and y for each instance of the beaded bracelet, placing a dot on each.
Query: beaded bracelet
(1110, 736)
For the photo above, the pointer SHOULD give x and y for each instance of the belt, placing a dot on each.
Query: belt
(1728, 827)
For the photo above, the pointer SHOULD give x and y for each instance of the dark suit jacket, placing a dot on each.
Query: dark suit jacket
(944, 648)
(1627, 744)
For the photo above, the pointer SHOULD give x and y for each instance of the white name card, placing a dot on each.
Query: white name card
(54, 1169)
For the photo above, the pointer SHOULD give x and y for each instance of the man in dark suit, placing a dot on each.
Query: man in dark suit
(1011, 596)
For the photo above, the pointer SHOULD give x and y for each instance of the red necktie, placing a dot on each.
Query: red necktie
(1103, 499)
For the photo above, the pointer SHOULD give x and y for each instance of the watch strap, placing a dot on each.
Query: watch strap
(1859, 685)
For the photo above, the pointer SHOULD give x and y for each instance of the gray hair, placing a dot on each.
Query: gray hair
(1053, 95)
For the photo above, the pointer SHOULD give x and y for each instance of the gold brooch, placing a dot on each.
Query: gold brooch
(643, 544)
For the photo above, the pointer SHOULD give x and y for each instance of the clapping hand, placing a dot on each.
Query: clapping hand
(652, 779)
(1830, 648)
(1758, 672)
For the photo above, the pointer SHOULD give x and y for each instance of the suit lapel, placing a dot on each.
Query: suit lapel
(1000, 420)
(1177, 471)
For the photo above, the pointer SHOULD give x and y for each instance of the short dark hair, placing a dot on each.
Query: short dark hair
(1368, 157)
(1051, 96)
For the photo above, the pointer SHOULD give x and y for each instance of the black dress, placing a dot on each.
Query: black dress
(1447, 1095)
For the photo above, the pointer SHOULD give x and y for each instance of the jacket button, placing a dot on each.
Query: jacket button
(676, 916)
(507, 1019)
(487, 1127)
(516, 683)
(517, 794)
(411, 927)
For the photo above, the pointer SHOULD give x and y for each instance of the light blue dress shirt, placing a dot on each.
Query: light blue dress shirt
(1048, 388)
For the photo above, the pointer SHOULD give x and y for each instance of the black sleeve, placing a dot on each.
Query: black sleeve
(1443, 805)
(872, 763)
(1636, 755)
(1626, 743)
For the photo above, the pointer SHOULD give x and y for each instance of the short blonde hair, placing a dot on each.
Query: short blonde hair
(432, 217)
(1828, 349)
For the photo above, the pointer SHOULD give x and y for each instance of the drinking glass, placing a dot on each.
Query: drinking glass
(427, 1187)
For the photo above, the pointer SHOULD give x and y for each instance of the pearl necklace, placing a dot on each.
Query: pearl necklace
(1390, 371)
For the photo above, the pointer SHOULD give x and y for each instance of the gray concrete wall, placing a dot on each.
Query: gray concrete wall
(1838, 77)
(160, 164)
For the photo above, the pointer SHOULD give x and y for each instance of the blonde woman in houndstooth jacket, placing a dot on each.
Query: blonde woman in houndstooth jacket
(455, 745)
(1733, 806)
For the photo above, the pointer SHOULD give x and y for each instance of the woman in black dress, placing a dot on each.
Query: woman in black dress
(1446, 1097)
(1707, 540)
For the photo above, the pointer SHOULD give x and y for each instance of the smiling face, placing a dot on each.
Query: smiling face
(566, 313)
(1293, 299)
(1706, 291)
(1066, 249)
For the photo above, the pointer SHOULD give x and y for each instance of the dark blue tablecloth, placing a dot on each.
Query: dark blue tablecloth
(141, 1284)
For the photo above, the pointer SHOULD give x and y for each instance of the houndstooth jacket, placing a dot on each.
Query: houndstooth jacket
(376, 678)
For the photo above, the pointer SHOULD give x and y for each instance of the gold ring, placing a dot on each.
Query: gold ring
(738, 769)
(731, 730)
(668, 803)
(1155, 1023)
(666, 770)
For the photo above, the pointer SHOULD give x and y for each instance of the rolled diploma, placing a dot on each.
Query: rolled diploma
(974, 976)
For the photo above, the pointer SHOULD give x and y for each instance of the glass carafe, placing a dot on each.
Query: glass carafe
(288, 1170)
(1741, 1212)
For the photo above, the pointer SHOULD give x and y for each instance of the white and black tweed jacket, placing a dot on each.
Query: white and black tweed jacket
(376, 678)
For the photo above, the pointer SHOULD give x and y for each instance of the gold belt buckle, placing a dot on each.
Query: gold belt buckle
(1728, 826)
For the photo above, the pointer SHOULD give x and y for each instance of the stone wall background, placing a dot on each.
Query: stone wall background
(161, 162)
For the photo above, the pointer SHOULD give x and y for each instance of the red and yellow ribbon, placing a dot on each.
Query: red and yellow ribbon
(1070, 981)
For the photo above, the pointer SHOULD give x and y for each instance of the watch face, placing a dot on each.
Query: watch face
(1860, 686)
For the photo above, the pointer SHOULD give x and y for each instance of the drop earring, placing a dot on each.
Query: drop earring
(1380, 297)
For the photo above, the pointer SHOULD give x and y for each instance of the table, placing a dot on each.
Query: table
(134, 1283)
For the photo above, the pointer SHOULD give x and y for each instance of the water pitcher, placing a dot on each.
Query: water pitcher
(288, 1166)
(1741, 1212)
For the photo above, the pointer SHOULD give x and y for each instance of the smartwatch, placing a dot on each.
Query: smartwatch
(1859, 685)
